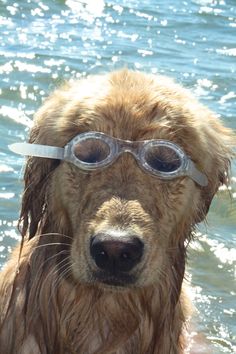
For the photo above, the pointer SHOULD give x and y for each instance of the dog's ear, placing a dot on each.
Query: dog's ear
(36, 178)
(39, 170)
(218, 145)
(50, 128)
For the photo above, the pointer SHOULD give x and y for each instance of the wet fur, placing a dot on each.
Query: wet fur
(50, 299)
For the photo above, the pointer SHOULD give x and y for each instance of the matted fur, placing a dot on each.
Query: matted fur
(50, 300)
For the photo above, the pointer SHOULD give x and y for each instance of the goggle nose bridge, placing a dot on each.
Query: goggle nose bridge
(126, 146)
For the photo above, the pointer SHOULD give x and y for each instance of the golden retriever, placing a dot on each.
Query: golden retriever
(121, 168)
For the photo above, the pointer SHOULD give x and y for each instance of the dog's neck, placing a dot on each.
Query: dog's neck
(127, 322)
(96, 320)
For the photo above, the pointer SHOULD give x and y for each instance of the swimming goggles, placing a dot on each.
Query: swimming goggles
(94, 150)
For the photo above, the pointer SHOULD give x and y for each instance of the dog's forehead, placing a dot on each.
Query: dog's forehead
(127, 105)
(130, 105)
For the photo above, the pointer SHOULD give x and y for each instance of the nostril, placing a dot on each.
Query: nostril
(99, 253)
(114, 255)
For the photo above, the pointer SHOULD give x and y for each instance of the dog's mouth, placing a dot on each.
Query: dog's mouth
(120, 280)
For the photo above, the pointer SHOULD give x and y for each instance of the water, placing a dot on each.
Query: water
(42, 43)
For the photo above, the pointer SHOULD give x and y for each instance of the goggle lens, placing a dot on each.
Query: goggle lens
(162, 159)
(91, 150)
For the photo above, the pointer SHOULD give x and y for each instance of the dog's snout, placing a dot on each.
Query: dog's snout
(113, 255)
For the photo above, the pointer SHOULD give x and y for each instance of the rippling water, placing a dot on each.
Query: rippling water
(42, 43)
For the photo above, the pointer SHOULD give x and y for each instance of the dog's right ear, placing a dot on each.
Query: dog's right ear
(38, 171)
(50, 128)
(36, 179)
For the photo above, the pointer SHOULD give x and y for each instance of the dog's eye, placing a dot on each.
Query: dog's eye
(163, 159)
(91, 151)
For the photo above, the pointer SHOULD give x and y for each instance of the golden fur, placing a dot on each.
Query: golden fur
(50, 299)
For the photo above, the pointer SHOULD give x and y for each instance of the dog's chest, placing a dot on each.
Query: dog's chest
(104, 343)
(95, 342)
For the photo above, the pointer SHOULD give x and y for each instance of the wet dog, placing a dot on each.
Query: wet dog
(121, 168)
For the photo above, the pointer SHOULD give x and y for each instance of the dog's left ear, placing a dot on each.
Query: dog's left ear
(218, 142)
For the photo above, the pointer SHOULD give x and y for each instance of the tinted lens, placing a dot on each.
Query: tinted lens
(91, 150)
(163, 159)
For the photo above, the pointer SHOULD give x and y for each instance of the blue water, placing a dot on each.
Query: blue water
(42, 43)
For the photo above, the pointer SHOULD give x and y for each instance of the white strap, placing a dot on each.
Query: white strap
(27, 149)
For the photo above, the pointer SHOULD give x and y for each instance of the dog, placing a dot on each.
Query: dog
(121, 168)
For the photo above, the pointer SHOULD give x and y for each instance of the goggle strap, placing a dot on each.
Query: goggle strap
(37, 150)
(196, 175)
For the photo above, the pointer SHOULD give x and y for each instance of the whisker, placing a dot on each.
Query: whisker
(53, 256)
(48, 275)
(57, 268)
(61, 272)
(53, 234)
(48, 260)
(51, 244)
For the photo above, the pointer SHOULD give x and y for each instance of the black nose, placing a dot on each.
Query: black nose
(115, 256)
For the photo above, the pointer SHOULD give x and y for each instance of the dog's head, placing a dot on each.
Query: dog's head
(128, 227)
